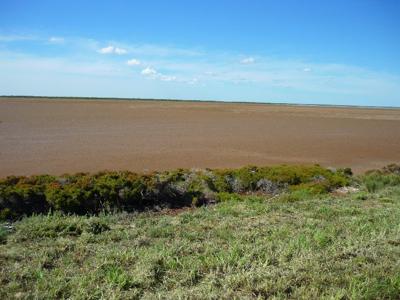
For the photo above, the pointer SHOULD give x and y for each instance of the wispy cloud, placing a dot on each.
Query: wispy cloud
(248, 60)
(133, 62)
(167, 78)
(112, 50)
(152, 73)
(215, 71)
(56, 40)
(13, 38)
(293, 75)
(120, 51)
(160, 50)
(21, 63)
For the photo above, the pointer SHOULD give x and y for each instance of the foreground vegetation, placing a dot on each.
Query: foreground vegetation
(300, 242)
(126, 191)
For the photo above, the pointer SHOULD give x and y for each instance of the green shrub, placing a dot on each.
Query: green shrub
(6, 214)
(3, 235)
(19, 198)
(85, 193)
(392, 169)
(376, 180)
(372, 185)
(311, 188)
(68, 199)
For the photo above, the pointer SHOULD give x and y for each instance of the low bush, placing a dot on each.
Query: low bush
(376, 180)
(3, 235)
(85, 193)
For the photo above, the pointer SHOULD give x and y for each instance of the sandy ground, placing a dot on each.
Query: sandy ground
(57, 136)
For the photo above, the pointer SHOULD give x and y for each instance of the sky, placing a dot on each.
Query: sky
(289, 51)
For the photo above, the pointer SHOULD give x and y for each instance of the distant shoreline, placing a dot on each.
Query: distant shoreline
(199, 100)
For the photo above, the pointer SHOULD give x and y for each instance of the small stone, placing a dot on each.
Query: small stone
(346, 190)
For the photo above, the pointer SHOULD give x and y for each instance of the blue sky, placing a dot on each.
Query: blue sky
(317, 52)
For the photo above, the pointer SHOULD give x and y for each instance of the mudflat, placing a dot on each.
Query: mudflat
(57, 136)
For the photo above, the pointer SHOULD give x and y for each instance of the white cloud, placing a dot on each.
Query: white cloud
(307, 69)
(120, 51)
(247, 60)
(167, 78)
(133, 62)
(56, 40)
(106, 50)
(112, 50)
(149, 71)
(154, 74)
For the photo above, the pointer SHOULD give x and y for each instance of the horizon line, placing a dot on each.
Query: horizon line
(203, 101)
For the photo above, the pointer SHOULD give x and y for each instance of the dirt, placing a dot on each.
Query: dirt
(57, 136)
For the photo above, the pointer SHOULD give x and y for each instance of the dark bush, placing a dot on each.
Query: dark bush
(392, 169)
(85, 193)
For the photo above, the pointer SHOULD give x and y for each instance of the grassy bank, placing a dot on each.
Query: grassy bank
(296, 243)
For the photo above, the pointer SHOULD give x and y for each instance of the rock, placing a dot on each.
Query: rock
(267, 186)
(346, 190)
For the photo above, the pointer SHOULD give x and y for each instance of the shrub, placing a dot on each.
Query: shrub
(311, 188)
(392, 169)
(6, 214)
(376, 180)
(19, 198)
(3, 235)
(84, 193)
(68, 199)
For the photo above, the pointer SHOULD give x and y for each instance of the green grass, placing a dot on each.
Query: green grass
(294, 246)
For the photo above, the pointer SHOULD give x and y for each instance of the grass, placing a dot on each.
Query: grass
(295, 245)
